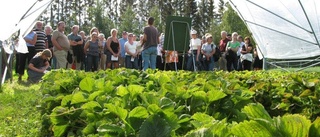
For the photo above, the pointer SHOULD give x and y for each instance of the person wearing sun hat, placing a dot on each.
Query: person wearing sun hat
(208, 50)
(39, 65)
(195, 46)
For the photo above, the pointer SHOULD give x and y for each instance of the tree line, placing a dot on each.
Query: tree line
(131, 15)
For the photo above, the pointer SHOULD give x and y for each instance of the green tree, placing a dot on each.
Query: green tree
(221, 6)
(231, 22)
(154, 12)
(99, 18)
(128, 21)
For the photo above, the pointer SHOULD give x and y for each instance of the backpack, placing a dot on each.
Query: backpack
(217, 54)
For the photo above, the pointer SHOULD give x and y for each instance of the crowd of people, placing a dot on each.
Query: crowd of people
(55, 49)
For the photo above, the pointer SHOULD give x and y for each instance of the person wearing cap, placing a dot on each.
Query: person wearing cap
(195, 46)
(122, 41)
(208, 49)
(39, 65)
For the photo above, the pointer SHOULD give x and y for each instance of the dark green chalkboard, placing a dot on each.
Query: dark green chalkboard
(177, 34)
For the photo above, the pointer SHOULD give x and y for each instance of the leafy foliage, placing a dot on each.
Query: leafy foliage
(125, 102)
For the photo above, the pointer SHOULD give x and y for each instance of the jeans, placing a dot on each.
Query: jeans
(192, 58)
(209, 64)
(149, 57)
(92, 62)
(131, 64)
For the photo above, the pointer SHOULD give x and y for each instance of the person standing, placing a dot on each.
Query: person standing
(231, 49)
(91, 49)
(122, 41)
(48, 31)
(149, 53)
(61, 45)
(222, 46)
(31, 39)
(247, 56)
(242, 44)
(131, 53)
(112, 50)
(42, 42)
(208, 49)
(84, 39)
(103, 57)
(195, 47)
(76, 42)
(139, 50)
(258, 63)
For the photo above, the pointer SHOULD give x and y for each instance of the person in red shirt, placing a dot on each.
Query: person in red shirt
(222, 46)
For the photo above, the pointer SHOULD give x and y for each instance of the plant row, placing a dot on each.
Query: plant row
(166, 103)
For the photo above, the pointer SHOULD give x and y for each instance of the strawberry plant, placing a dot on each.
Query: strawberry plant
(166, 103)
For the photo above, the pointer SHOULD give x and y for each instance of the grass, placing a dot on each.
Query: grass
(19, 115)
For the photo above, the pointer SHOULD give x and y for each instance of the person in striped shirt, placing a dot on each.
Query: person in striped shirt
(42, 42)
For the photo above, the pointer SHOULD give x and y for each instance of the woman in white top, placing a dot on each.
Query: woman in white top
(195, 46)
(208, 49)
(131, 53)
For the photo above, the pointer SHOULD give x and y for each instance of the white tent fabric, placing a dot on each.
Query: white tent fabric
(283, 29)
(20, 15)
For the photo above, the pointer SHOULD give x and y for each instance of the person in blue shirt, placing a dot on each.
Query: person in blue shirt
(122, 41)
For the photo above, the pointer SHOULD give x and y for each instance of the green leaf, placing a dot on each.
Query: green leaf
(91, 105)
(200, 119)
(200, 95)
(87, 84)
(122, 91)
(66, 100)
(256, 111)
(139, 112)
(166, 103)
(201, 132)
(252, 129)
(109, 128)
(221, 128)
(184, 118)
(314, 130)
(310, 83)
(89, 129)
(163, 79)
(56, 116)
(153, 109)
(155, 126)
(293, 125)
(122, 113)
(78, 98)
(93, 95)
(215, 95)
(60, 130)
(135, 90)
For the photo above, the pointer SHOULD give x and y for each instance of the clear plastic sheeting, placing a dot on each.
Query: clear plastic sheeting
(283, 29)
(20, 15)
